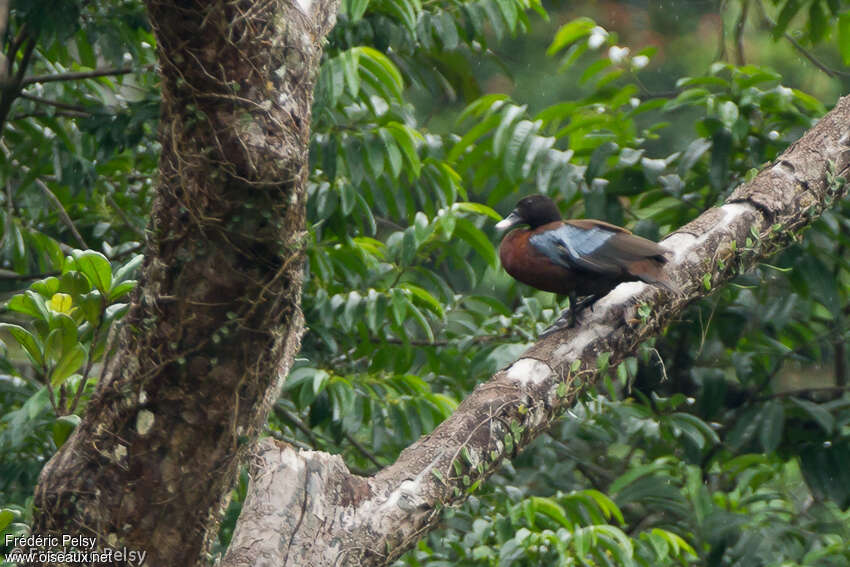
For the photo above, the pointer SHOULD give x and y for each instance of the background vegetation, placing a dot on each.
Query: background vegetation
(725, 442)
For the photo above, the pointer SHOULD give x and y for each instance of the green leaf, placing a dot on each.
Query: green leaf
(816, 412)
(22, 303)
(46, 287)
(844, 36)
(399, 306)
(598, 159)
(91, 305)
(772, 417)
(121, 289)
(505, 129)
(550, 508)
(63, 427)
(476, 208)
(472, 135)
(6, 517)
(406, 138)
(31, 345)
(789, 10)
(694, 151)
(355, 8)
(818, 23)
(425, 298)
(517, 147)
(826, 470)
(693, 428)
(74, 283)
(389, 79)
(127, 269)
(67, 365)
(570, 32)
(419, 317)
(95, 267)
(728, 112)
(509, 11)
(479, 242)
(62, 337)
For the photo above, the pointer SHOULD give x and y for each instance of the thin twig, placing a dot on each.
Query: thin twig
(76, 75)
(721, 44)
(124, 217)
(57, 104)
(57, 204)
(11, 87)
(804, 392)
(803, 51)
(9, 275)
(838, 354)
(296, 421)
(477, 340)
(815, 61)
(90, 362)
(311, 435)
(63, 113)
(359, 446)
(661, 363)
(740, 24)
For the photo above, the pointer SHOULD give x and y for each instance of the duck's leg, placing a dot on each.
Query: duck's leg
(568, 316)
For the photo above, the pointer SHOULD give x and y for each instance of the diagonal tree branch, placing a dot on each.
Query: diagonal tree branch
(76, 75)
(63, 214)
(305, 508)
(58, 104)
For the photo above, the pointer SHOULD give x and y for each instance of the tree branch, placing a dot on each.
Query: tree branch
(740, 24)
(126, 219)
(10, 87)
(76, 75)
(57, 104)
(63, 113)
(9, 275)
(4, 22)
(335, 518)
(768, 21)
(63, 214)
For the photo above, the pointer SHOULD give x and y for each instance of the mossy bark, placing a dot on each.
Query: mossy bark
(215, 323)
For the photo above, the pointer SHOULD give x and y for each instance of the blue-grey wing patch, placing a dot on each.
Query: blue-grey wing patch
(573, 247)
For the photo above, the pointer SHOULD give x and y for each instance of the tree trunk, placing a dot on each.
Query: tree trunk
(215, 322)
(304, 508)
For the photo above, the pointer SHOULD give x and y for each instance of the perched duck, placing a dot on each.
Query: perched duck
(582, 257)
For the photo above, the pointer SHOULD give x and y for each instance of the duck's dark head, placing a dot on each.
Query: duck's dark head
(534, 211)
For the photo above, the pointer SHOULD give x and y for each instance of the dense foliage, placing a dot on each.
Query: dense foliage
(724, 442)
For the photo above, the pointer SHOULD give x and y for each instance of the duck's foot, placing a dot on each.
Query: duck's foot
(568, 317)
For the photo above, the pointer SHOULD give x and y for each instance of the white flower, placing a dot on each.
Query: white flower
(597, 37)
(773, 135)
(634, 102)
(618, 54)
(640, 61)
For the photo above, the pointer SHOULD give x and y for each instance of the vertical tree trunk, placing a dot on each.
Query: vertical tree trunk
(215, 322)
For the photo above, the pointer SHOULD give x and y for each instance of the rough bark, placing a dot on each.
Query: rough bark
(215, 324)
(305, 509)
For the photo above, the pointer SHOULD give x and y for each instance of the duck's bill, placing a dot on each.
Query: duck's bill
(509, 221)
